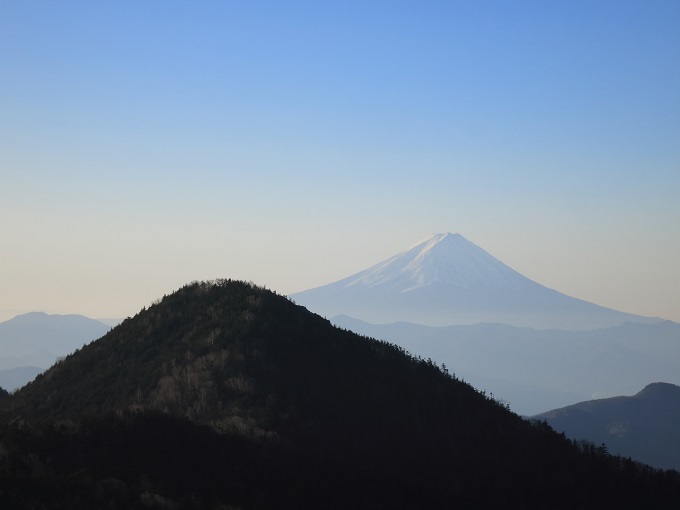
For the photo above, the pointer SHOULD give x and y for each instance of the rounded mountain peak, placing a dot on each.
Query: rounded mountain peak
(660, 390)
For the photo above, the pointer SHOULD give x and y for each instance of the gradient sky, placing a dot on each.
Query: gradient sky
(147, 144)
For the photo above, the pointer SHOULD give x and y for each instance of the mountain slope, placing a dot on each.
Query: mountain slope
(206, 347)
(445, 280)
(227, 394)
(645, 426)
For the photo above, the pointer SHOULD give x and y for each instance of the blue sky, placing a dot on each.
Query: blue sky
(147, 144)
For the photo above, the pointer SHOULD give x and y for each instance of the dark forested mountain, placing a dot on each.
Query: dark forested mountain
(226, 395)
(445, 279)
(533, 370)
(645, 426)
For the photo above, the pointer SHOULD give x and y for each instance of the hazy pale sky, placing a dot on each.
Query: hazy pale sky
(147, 144)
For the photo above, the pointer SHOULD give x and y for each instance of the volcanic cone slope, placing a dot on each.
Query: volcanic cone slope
(444, 280)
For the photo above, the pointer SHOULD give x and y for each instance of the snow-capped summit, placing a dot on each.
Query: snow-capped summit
(436, 260)
(445, 279)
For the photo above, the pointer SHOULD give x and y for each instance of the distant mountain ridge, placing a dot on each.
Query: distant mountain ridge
(445, 280)
(534, 369)
(13, 378)
(35, 340)
(645, 426)
(60, 334)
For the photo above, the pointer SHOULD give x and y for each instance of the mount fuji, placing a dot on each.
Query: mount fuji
(447, 280)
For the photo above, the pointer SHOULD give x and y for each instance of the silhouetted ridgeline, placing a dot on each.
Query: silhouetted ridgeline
(226, 395)
(645, 426)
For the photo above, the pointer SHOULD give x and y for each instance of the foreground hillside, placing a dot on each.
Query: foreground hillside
(225, 395)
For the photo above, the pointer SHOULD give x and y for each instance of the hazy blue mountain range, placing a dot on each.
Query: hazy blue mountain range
(445, 280)
(645, 426)
(227, 395)
(42, 358)
(534, 370)
(36, 340)
(13, 378)
(59, 334)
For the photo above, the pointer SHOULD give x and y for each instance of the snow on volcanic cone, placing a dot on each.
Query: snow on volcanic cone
(440, 259)
(445, 279)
